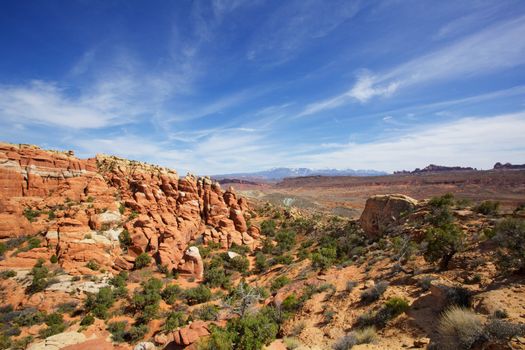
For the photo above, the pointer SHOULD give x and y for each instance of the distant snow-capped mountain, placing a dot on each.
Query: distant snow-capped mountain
(281, 173)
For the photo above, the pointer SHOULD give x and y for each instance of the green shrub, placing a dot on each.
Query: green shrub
(136, 333)
(146, 301)
(443, 243)
(99, 304)
(174, 320)
(33, 243)
(252, 331)
(7, 274)
(197, 295)
(440, 210)
(216, 277)
(261, 263)
(30, 317)
(239, 263)
(510, 237)
(51, 215)
(279, 282)
(5, 341)
(118, 331)
(219, 339)
(487, 208)
(324, 258)
(285, 259)
(121, 209)
(362, 336)
(268, 227)
(459, 328)
(285, 242)
(31, 214)
(207, 313)
(267, 245)
(142, 261)
(291, 343)
(55, 324)
(396, 306)
(171, 293)
(88, 320)
(53, 259)
(374, 292)
(446, 200)
(239, 249)
(119, 280)
(125, 239)
(92, 265)
(39, 282)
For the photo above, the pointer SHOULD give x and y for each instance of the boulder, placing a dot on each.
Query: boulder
(192, 263)
(384, 211)
(58, 341)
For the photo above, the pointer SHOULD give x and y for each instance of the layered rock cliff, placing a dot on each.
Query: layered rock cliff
(109, 210)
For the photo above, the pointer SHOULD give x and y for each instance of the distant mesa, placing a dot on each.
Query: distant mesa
(432, 168)
(508, 166)
(236, 181)
(276, 174)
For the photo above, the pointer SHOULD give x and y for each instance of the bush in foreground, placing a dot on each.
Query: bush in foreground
(142, 261)
(362, 336)
(510, 236)
(459, 328)
(443, 243)
(373, 293)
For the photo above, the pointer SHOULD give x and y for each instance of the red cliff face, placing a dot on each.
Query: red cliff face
(82, 206)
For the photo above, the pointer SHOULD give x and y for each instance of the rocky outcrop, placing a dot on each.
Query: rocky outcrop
(432, 168)
(185, 336)
(383, 211)
(82, 206)
(192, 263)
(508, 166)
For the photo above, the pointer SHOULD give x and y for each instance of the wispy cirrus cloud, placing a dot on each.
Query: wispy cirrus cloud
(294, 25)
(363, 90)
(492, 49)
(46, 103)
(474, 141)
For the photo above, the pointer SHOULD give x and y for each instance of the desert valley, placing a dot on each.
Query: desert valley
(262, 175)
(107, 253)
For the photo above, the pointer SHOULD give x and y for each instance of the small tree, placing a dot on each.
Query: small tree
(268, 227)
(142, 261)
(442, 243)
(510, 236)
(487, 208)
(243, 299)
(261, 264)
(324, 257)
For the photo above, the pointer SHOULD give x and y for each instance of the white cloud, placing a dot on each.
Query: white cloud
(363, 90)
(295, 24)
(45, 103)
(474, 141)
(495, 48)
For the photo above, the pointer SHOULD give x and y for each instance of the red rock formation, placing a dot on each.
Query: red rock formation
(82, 206)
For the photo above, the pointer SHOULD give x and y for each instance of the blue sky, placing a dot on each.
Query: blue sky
(232, 85)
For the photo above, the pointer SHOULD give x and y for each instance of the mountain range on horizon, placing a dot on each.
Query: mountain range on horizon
(283, 172)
